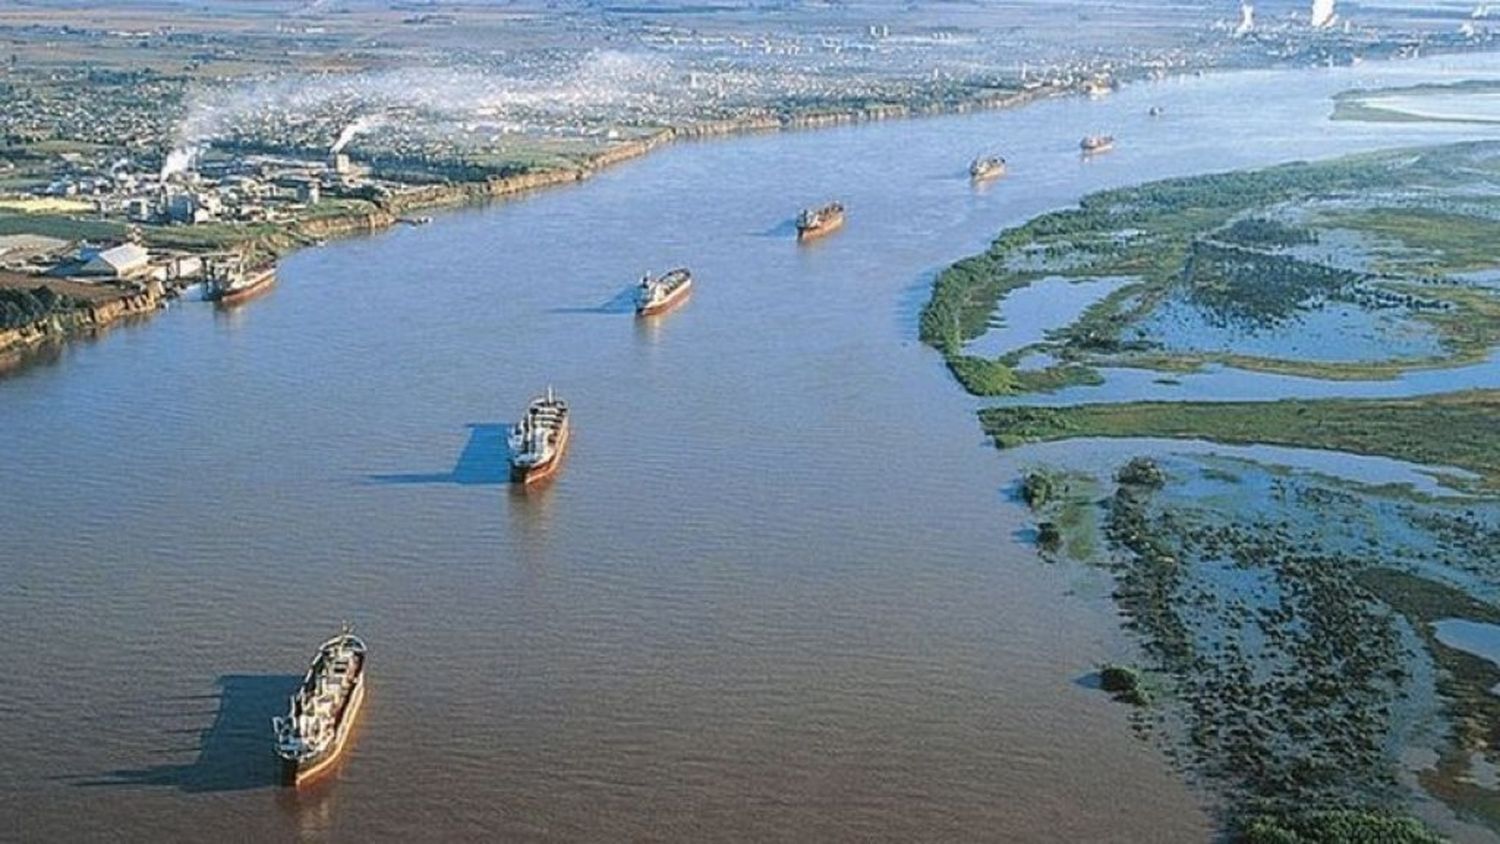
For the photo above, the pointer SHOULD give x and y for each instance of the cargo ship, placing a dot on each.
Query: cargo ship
(310, 737)
(537, 442)
(1097, 143)
(233, 283)
(661, 294)
(816, 222)
(987, 167)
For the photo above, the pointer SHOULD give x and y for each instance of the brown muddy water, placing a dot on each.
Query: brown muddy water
(778, 592)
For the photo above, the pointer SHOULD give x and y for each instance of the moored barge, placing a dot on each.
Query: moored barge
(232, 282)
(228, 279)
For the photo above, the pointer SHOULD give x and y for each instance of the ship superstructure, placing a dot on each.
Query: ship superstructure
(537, 442)
(657, 294)
(310, 737)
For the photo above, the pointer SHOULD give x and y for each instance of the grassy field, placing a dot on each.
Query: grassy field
(60, 226)
(1452, 429)
(44, 205)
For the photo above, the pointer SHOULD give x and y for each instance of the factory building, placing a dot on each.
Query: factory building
(140, 209)
(127, 260)
(304, 189)
(191, 207)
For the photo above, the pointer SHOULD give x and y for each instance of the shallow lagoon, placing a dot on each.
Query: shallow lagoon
(1478, 106)
(1028, 314)
(1475, 637)
(1329, 332)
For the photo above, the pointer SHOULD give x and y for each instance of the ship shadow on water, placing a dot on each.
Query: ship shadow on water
(785, 229)
(485, 461)
(234, 752)
(622, 302)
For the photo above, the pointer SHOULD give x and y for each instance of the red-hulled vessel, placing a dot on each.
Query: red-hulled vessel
(659, 295)
(312, 735)
(816, 222)
(538, 441)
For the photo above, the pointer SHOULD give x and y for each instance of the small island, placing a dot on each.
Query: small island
(1361, 268)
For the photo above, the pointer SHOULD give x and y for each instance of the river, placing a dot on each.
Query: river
(779, 590)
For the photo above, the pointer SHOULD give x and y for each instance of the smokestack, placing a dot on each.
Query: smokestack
(1247, 19)
(1322, 14)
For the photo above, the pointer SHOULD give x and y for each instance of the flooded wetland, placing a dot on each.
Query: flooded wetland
(783, 589)
(1336, 269)
(1317, 638)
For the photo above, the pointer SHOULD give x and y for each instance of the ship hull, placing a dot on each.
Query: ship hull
(259, 285)
(987, 175)
(676, 297)
(296, 773)
(820, 230)
(527, 475)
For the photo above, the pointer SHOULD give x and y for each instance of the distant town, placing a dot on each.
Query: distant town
(140, 159)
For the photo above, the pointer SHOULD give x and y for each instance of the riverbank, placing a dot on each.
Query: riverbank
(63, 309)
(432, 197)
(271, 241)
(387, 211)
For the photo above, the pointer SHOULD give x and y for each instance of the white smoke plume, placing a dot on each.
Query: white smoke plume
(602, 86)
(180, 160)
(368, 123)
(1322, 15)
(193, 135)
(1247, 19)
